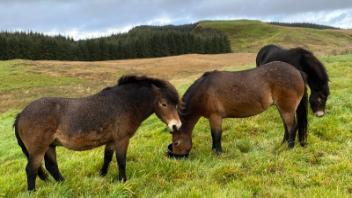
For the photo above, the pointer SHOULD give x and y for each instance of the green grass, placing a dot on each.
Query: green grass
(14, 76)
(250, 36)
(254, 163)
(19, 84)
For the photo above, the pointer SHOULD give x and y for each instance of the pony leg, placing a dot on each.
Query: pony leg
(42, 174)
(291, 124)
(285, 139)
(121, 150)
(108, 153)
(216, 133)
(33, 165)
(302, 120)
(51, 163)
(292, 134)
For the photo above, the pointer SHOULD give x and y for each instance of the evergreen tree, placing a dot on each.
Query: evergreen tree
(140, 42)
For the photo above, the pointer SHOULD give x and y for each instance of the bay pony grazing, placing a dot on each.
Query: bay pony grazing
(223, 94)
(110, 117)
(305, 61)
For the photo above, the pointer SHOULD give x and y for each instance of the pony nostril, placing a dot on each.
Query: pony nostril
(174, 127)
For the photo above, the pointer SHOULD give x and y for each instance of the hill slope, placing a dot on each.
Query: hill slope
(250, 36)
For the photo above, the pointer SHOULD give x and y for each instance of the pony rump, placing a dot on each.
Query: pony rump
(263, 53)
(41, 173)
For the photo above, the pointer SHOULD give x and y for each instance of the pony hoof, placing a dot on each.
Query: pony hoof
(291, 145)
(121, 179)
(61, 179)
(103, 172)
(217, 151)
(303, 144)
(31, 190)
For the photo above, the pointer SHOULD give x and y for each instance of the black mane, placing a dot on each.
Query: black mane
(316, 66)
(128, 79)
(165, 87)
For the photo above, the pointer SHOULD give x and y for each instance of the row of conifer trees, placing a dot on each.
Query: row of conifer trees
(139, 42)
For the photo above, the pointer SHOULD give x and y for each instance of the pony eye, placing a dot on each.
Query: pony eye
(163, 104)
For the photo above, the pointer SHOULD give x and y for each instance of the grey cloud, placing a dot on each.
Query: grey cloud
(100, 15)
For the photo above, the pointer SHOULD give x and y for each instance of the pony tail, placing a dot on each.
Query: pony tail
(19, 140)
(302, 118)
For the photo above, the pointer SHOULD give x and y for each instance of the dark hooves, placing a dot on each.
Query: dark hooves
(61, 179)
(217, 151)
(303, 144)
(121, 179)
(103, 172)
(291, 145)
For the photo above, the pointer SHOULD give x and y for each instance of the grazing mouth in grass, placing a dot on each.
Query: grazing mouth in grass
(172, 155)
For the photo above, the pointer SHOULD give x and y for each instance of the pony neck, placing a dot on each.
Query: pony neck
(315, 85)
(141, 103)
(188, 123)
(316, 73)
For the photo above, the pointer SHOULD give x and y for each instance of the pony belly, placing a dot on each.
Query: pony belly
(83, 141)
(247, 109)
(244, 114)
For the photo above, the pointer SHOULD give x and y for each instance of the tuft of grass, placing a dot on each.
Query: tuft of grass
(227, 173)
(244, 145)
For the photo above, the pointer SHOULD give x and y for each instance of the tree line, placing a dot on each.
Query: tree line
(304, 25)
(139, 42)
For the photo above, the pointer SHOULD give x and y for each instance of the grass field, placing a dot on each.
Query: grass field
(250, 36)
(253, 163)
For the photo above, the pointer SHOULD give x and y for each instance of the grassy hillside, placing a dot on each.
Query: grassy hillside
(253, 162)
(24, 80)
(250, 36)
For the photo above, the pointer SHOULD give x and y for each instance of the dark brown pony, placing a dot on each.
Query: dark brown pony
(110, 117)
(305, 61)
(222, 94)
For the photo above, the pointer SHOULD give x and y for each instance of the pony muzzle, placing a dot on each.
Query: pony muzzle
(319, 113)
(170, 154)
(174, 125)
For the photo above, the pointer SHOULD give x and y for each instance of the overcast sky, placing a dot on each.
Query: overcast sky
(91, 18)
